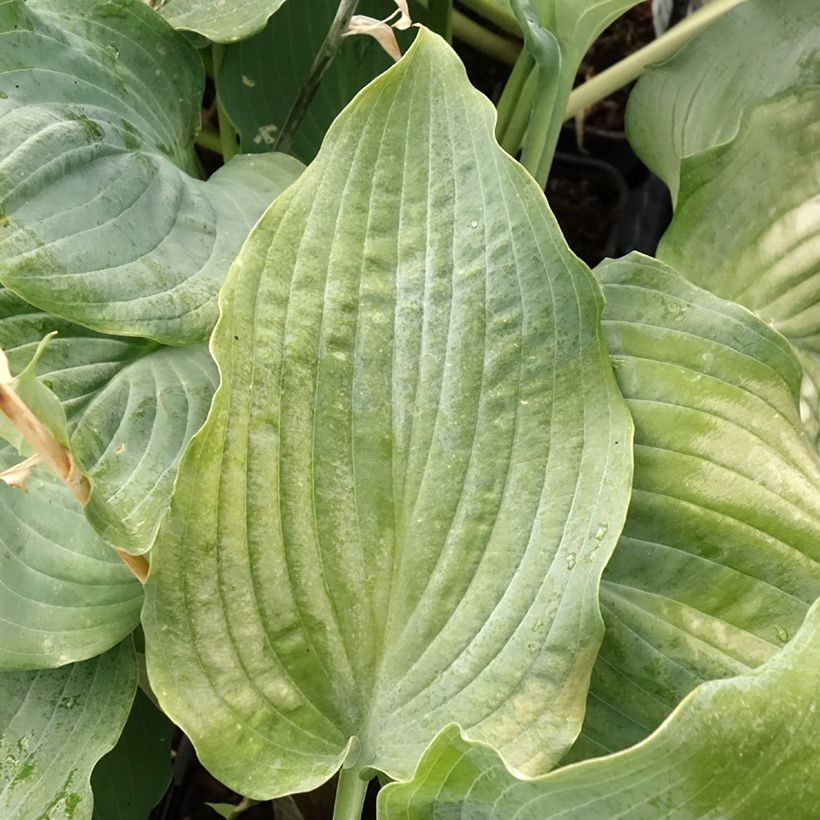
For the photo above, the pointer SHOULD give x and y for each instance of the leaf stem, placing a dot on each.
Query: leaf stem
(350, 794)
(441, 18)
(227, 133)
(495, 13)
(552, 87)
(58, 459)
(511, 97)
(630, 68)
(210, 140)
(321, 63)
(486, 41)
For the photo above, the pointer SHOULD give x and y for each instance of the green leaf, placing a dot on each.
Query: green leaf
(132, 405)
(102, 222)
(557, 35)
(742, 748)
(576, 24)
(413, 472)
(695, 100)
(54, 726)
(76, 364)
(747, 222)
(44, 408)
(130, 437)
(130, 780)
(221, 21)
(260, 78)
(719, 559)
(64, 594)
(810, 397)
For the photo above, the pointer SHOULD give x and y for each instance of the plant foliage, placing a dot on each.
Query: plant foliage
(367, 425)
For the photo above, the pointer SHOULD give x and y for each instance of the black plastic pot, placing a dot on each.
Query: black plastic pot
(647, 208)
(611, 147)
(588, 197)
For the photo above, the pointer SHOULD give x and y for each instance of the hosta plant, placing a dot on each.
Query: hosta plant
(321, 445)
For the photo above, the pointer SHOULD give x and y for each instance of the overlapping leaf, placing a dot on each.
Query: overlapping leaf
(64, 593)
(54, 726)
(413, 472)
(219, 20)
(755, 238)
(744, 748)
(720, 555)
(132, 405)
(130, 780)
(260, 78)
(100, 219)
(695, 100)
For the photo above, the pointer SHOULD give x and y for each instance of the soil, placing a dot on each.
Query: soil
(587, 198)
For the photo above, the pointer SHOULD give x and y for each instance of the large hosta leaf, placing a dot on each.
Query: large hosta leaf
(54, 726)
(132, 406)
(64, 593)
(695, 100)
(744, 748)
(221, 21)
(413, 472)
(720, 555)
(260, 78)
(100, 219)
(754, 236)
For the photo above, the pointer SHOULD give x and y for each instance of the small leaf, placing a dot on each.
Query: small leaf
(413, 472)
(131, 779)
(557, 34)
(695, 100)
(742, 748)
(103, 222)
(54, 726)
(221, 21)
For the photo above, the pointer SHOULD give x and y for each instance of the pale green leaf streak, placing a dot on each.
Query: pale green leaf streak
(64, 594)
(260, 78)
(132, 405)
(130, 780)
(222, 21)
(695, 100)
(720, 555)
(102, 222)
(754, 236)
(54, 726)
(413, 472)
(740, 749)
